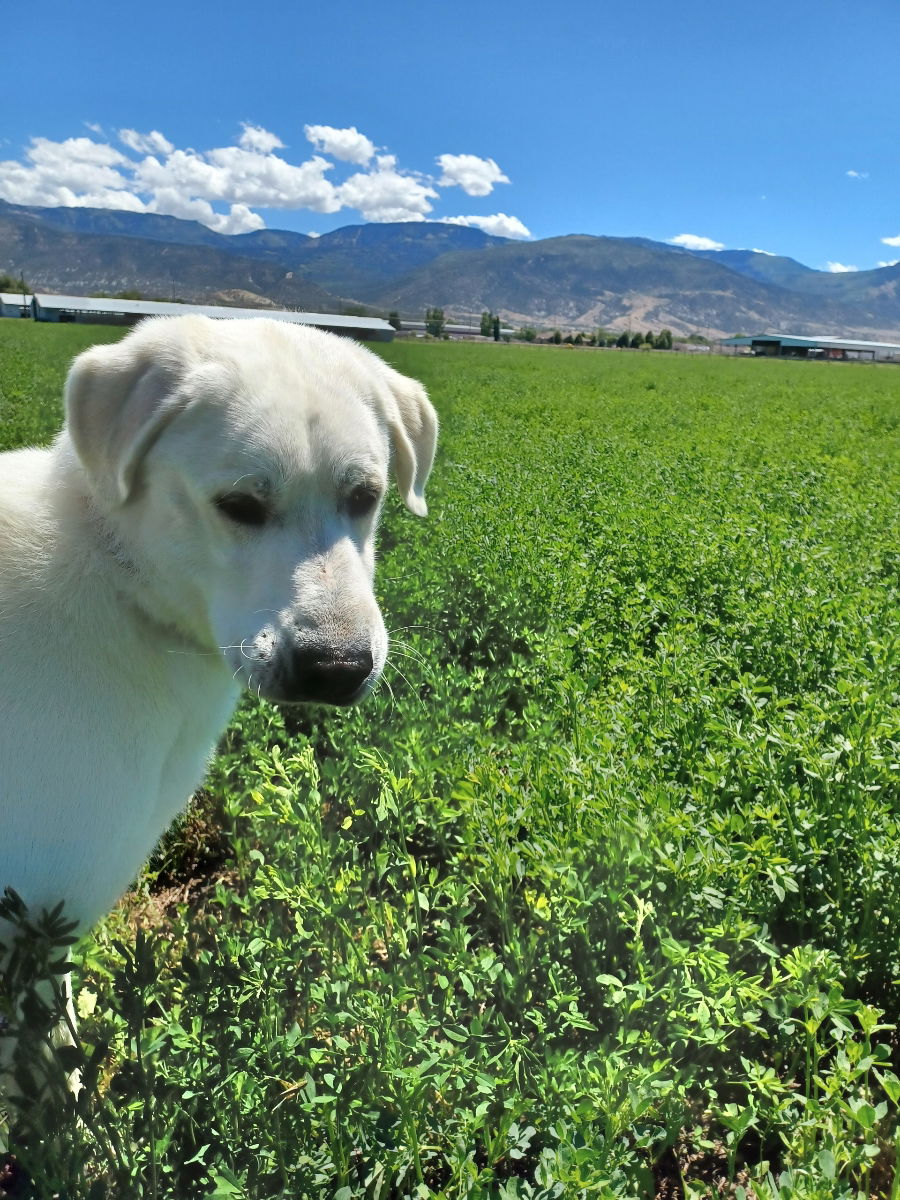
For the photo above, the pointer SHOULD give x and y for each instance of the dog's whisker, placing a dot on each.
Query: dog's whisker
(423, 667)
(384, 681)
(413, 691)
(200, 653)
(421, 662)
(408, 652)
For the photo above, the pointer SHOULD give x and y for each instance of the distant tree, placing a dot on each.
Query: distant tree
(527, 333)
(568, 339)
(636, 341)
(495, 328)
(579, 339)
(130, 294)
(622, 340)
(13, 283)
(664, 339)
(649, 338)
(697, 339)
(355, 310)
(394, 319)
(487, 324)
(434, 322)
(557, 337)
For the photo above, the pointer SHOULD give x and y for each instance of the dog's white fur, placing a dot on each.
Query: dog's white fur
(136, 598)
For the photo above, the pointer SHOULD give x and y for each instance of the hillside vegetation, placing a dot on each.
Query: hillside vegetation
(578, 280)
(599, 895)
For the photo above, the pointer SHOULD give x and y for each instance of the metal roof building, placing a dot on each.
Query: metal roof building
(788, 345)
(15, 304)
(96, 310)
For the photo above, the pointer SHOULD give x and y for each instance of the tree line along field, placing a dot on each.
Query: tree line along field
(599, 896)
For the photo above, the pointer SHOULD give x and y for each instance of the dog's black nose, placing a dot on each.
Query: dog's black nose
(329, 675)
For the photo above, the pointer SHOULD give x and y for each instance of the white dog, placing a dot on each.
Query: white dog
(204, 521)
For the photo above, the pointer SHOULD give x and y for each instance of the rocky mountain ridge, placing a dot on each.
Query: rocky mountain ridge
(576, 281)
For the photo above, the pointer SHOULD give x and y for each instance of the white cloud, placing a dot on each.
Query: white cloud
(893, 263)
(349, 145)
(500, 225)
(691, 241)
(858, 174)
(77, 171)
(838, 268)
(256, 138)
(145, 143)
(231, 174)
(385, 194)
(70, 157)
(476, 176)
(894, 241)
(312, 233)
(223, 185)
(239, 218)
(770, 254)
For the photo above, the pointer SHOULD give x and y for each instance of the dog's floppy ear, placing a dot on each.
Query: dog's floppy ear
(118, 400)
(413, 426)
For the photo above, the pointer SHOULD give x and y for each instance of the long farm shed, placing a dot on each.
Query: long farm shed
(788, 345)
(102, 310)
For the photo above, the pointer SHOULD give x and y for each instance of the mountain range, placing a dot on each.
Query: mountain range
(576, 281)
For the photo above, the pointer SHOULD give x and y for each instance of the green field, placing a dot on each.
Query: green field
(600, 895)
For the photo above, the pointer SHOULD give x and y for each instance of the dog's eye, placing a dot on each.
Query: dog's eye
(242, 508)
(361, 501)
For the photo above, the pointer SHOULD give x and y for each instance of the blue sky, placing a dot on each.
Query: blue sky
(768, 128)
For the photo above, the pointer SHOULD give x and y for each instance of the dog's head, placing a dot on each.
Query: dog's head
(238, 469)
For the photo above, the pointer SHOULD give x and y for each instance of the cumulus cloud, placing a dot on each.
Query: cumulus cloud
(893, 263)
(476, 176)
(222, 186)
(892, 241)
(386, 194)
(837, 268)
(232, 174)
(500, 225)
(77, 171)
(349, 145)
(255, 138)
(145, 143)
(172, 203)
(691, 241)
(858, 174)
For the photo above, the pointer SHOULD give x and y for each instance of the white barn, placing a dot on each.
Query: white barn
(15, 304)
(97, 310)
